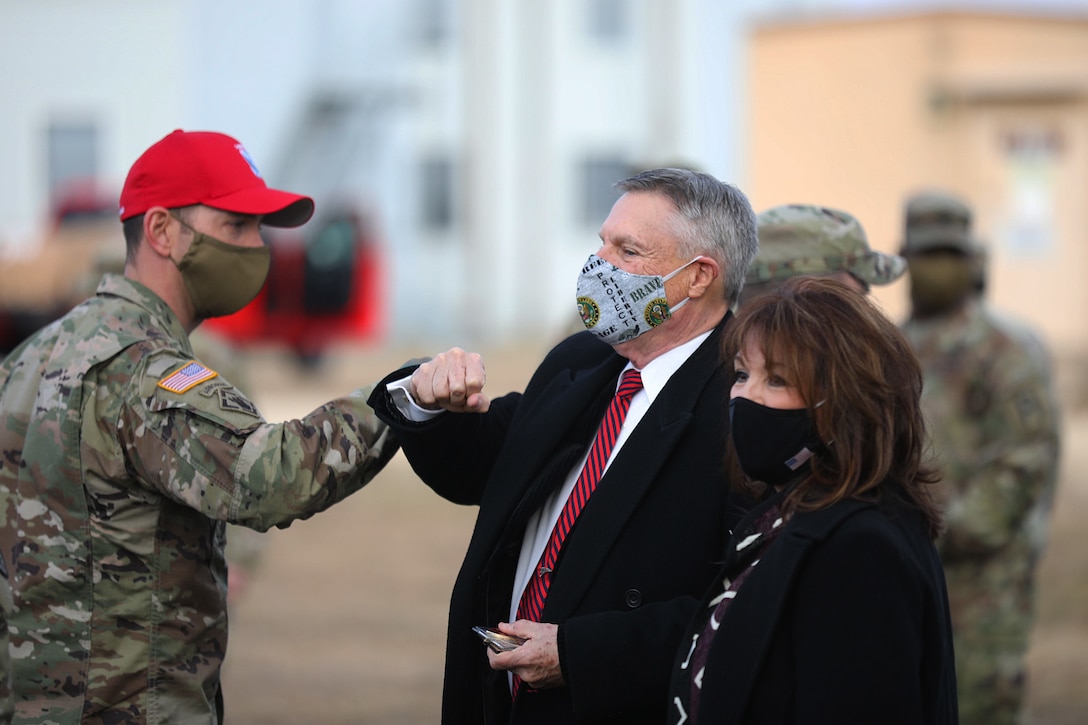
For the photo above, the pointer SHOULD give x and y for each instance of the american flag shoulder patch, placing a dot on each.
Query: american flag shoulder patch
(190, 374)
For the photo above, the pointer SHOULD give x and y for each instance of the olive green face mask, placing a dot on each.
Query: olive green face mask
(940, 283)
(222, 278)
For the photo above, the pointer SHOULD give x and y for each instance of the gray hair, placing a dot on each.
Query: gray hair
(714, 218)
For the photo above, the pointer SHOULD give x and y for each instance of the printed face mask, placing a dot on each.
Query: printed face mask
(222, 278)
(774, 446)
(618, 306)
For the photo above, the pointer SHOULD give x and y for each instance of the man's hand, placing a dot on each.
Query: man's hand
(452, 381)
(537, 661)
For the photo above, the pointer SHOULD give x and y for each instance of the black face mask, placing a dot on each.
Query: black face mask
(774, 446)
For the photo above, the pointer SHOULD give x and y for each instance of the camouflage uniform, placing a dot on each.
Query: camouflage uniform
(245, 546)
(7, 698)
(803, 239)
(994, 424)
(116, 491)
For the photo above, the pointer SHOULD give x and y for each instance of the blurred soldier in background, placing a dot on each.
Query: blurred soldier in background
(806, 240)
(989, 402)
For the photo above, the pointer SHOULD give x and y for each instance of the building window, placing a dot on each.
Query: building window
(433, 22)
(73, 155)
(1032, 158)
(1030, 142)
(599, 176)
(607, 20)
(436, 193)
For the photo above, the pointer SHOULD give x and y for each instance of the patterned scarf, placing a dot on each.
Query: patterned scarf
(748, 544)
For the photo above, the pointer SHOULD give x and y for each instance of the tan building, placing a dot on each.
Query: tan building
(858, 112)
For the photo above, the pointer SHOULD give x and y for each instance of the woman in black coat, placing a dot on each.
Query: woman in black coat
(831, 604)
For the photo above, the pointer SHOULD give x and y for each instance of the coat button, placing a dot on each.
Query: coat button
(632, 598)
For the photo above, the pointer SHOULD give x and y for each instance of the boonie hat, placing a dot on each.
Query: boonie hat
(937, 220)
(209, 168)
(800, 239)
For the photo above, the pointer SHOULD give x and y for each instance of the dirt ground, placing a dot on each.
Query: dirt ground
(344, 620)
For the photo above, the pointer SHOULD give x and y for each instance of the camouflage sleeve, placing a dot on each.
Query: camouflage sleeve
(1002, 481)
(208, 448)
(7, 693)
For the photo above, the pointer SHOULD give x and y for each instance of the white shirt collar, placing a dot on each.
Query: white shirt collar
(658, 371)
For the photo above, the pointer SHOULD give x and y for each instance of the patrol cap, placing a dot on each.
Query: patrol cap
(205, 167)
(937, 220)
(800, 239)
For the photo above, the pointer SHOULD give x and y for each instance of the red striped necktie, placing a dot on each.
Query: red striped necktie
(536, 591)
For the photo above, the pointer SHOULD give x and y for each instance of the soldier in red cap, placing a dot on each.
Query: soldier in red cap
(123, 456)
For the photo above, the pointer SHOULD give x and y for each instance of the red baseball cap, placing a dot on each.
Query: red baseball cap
(209, 168)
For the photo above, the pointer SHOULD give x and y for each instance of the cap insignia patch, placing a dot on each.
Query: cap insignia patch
(249, 159)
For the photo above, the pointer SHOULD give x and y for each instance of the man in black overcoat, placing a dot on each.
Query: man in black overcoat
(647, 543)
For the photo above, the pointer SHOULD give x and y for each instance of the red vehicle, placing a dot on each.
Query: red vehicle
(325, 285)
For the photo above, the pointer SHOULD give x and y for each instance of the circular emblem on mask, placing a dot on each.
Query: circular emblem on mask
(657, 311)
(589, 311)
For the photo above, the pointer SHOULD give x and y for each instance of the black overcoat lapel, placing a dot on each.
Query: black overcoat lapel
(527, 471)
(634, 471)
(760, 605)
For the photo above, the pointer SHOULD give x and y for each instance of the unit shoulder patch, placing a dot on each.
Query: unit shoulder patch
(230, 398)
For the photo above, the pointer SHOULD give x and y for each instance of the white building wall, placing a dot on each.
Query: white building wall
(100, 62)
(517, 97)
